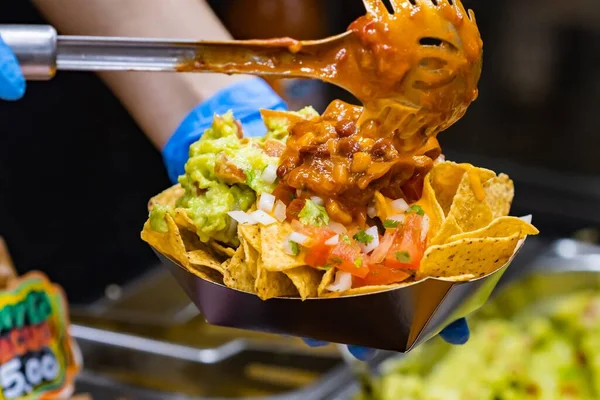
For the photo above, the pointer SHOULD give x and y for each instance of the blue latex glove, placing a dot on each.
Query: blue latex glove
(456, 333)
(12, 82)
(246, 99)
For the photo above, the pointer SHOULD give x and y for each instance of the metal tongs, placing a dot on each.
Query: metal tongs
(41, 52)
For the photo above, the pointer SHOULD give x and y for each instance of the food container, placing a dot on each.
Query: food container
(396, 319)
(565, 267)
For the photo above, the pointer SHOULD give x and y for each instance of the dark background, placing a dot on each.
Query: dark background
(76, 172)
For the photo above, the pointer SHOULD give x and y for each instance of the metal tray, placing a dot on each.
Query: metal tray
(565, 267)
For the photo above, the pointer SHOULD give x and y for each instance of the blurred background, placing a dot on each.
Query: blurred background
(537, 118)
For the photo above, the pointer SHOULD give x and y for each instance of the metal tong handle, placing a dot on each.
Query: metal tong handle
(41, 52)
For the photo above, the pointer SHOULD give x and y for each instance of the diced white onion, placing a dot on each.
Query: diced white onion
(298, 238)
(337, 227)
(380, 252)
(424, 227)
(317, 200)
(332, 241)
(298, 192)
(399, 218)
(371, 212)
(269, 175)
(262, 217)
(400, 205)
(287, 248)
(367, 248)
(266, 202)
(343, 282)
(527, 218)
(279, 212)
(242, 217)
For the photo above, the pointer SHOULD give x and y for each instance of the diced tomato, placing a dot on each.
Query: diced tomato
(317, 252)
(381, 275)
(349, 258)
(408, 248)
(285, 193)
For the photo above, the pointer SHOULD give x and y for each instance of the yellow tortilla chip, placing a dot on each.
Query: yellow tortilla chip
(183, 220)
(237, 274)
(306, 280)
(365, 290)
(251, 234)
(446, 177)
(501, 227)
(499, 194)
(432, 208)
(202, 258)
(250, 257)
(272, 284)
(326, 280)
(168, 197)
(478, 257)
(274, 258)
(449, 228)
(470, 213)
(220, 249)
(171, 244)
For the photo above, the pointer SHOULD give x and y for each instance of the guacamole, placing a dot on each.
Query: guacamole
(552, 353)
(224, 173)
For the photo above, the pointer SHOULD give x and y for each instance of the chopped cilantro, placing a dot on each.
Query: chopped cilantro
(325, 267)
(295, 248)
(250, 176)
(336, 260)
(313, 214)
(416, 209)
(346, 239)
(363, 237)
(358, 262)
(402, 256)
(390, 224)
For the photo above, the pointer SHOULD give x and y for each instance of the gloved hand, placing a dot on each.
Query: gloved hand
(12, 82)
(456, 333)
(246, 99)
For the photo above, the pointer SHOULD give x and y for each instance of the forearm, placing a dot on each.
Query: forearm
(157, 101)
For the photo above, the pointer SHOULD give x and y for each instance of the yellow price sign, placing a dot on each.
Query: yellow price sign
(37, 357)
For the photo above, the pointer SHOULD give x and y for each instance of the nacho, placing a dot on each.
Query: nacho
(271, 284)
(237, 274)
(273, 255)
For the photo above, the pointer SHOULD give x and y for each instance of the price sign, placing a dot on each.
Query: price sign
(37, 358)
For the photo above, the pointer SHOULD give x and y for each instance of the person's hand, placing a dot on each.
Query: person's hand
(12, 82)
(246, 99)
(456, 333)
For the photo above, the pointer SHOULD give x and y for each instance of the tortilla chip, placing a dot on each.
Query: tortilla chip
(251, 234)
(501, 227)
(326, 280)
(445, 179)
(499, 194)
(171, 244)
(221, 249)
(470, 213)
(183, 220)
(272, 284)
(365, 290)
(306, 280)
(250, 256)
(202, 258)
(478, 257)
(274, 258)
(432, 208)
(237, 274)
(168, 197)
(449, 228)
